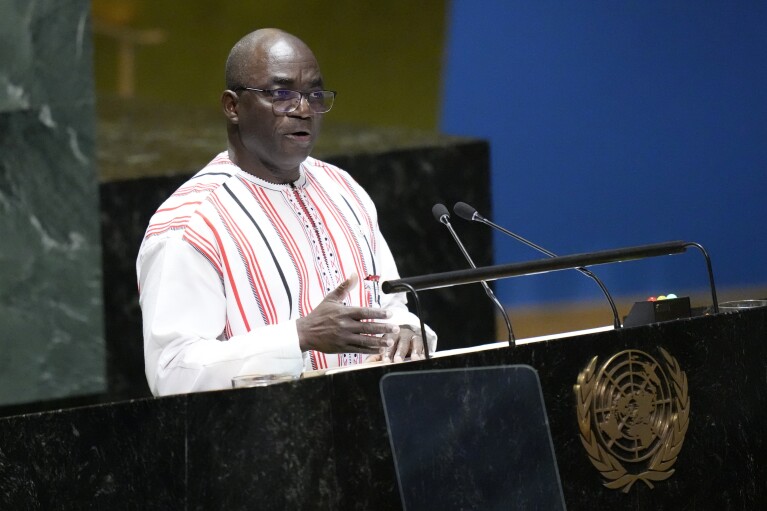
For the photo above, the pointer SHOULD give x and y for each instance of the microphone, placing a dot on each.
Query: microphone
(442, 215)
(469, 213)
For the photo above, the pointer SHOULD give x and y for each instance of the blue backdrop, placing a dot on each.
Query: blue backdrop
(617, 123)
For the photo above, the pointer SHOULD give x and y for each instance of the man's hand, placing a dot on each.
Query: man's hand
(335, 328)
(404, 343)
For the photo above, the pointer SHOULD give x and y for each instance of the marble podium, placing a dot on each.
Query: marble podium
(322, 442)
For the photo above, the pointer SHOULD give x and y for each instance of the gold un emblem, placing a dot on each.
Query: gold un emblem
(633, 414)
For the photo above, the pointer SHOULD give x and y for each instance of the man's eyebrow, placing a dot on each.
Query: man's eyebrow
(284, 81)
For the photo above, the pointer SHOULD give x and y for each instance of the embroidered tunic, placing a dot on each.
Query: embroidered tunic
(230, 261)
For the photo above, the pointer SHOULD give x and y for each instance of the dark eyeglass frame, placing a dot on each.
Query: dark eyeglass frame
(315, 99)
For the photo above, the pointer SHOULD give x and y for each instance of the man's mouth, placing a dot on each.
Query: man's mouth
(301, 136)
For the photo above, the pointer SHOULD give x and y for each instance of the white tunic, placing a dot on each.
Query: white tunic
(229, 262)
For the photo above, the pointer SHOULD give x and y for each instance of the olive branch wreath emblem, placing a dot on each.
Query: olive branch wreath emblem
(659, 467)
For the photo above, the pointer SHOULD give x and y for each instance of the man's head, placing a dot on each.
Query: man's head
(263, 140)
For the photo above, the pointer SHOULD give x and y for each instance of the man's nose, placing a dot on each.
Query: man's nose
(303, 109)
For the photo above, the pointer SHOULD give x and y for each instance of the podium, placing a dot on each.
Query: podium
(322, 442)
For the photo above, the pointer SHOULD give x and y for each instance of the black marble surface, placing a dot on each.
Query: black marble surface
(321, 443)
(404, 184)
(722, 461)
(270, 449)
(122, 456)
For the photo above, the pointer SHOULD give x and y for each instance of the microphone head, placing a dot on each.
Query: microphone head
(440, 212)
(465, 211)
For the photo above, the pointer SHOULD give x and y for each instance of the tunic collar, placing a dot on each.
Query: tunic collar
(298, 183)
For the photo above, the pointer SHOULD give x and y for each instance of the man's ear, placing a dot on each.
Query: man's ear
(229, 101)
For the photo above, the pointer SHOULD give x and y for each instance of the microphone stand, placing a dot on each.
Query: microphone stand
(459, 277)
(469, 213)
(442, 216)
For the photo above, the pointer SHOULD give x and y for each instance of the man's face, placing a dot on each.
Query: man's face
(279, 142)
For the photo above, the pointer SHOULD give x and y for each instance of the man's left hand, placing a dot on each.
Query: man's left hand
(406, 343)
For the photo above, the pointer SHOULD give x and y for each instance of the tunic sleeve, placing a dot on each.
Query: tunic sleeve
(184, 316)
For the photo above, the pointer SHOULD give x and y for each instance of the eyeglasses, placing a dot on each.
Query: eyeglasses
(285, 101)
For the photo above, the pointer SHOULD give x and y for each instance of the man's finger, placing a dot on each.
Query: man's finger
(361, 313)
(339, 293)
(387, 351)
(404, 346)
(416, 349)
(375, 328)
(368, 344)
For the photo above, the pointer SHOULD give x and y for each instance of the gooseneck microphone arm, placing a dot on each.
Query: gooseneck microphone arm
(712, 286)
(442, 216)
(468, 212)
(424, 336)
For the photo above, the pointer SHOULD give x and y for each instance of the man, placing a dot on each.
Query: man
(268, 260)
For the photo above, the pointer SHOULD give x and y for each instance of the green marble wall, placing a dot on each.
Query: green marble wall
(51, 325)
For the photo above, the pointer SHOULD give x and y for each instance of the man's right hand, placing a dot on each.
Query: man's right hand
(333, 327)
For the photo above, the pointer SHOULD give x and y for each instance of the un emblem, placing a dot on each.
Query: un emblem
(633, 415)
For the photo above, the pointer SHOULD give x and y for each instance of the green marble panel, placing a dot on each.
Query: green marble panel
(51, 319)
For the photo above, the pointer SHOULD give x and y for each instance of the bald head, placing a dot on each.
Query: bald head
(256, 46)
(267, 142)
